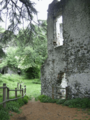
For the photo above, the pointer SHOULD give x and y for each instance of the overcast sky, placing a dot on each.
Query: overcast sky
(41, 6)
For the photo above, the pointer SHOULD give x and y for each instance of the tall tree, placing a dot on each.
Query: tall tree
(35, 51)
(17, 11)
(28, 54)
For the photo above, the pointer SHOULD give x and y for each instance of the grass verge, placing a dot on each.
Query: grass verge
(33, 86)
(12, 106)
(73, 103)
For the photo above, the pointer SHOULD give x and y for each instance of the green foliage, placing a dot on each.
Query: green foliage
(25, 54)
(25, 99)
(4, 114)
(32, 89)
(1, 29)
(12, 106)
(2, 54)
(36, 81)
(20, 101)
(78, 103)
(32, 53)
(9, 77)
(32, 73)
(17, 13)
(61, 101)
(11, 59)
(46, 99)
(74, 103)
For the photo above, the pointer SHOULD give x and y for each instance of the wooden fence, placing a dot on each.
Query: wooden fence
(59, 94)
(6, 93)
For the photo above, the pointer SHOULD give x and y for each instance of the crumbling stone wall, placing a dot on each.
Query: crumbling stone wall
(54, 65)
(73, 58)
(76, 20)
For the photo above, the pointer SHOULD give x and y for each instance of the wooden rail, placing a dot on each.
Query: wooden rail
(22, 90)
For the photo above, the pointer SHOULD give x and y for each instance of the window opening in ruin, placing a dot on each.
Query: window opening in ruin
(57, 0)
(61, 83)
(59, 31)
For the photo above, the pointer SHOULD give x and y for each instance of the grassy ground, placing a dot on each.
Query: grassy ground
(33, 89)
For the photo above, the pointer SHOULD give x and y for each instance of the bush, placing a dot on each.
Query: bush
(78, 103)
(13, 106)
(61, 101)
(75, 103)
(46, 99)
(20, 101)
(32, 73)
(25, 100)
(4, 114)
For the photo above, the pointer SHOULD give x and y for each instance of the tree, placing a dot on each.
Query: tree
(1, 44)
(17, 11)
(35, 51)
(28, 54)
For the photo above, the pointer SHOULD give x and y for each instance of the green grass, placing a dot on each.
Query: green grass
(33, 89)
(12, 106)
(33, 86)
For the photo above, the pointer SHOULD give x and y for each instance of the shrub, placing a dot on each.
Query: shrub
(13, 106)
(78, 103)
(61, 101)
(25, 99)
(32, 73)
(75, 103)
(20, 102)
(4, 115)
(46, 99)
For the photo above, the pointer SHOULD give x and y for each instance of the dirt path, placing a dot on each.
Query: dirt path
(49, 111)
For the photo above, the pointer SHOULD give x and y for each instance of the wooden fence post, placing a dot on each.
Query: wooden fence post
(52, 91)
(15, 92)
(25, 89)
(4, 94)
(20, 87)
(7, 93)
(66, 92)
(22, 92)
(17, 85)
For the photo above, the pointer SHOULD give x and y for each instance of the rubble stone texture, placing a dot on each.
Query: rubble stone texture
(71, 59)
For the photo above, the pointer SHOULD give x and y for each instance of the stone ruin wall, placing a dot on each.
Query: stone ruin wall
(76, 19)
(73, 58)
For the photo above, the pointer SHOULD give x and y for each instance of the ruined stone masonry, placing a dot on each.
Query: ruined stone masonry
(68, 48)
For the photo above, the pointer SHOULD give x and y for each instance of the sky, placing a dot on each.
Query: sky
(41, 6)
